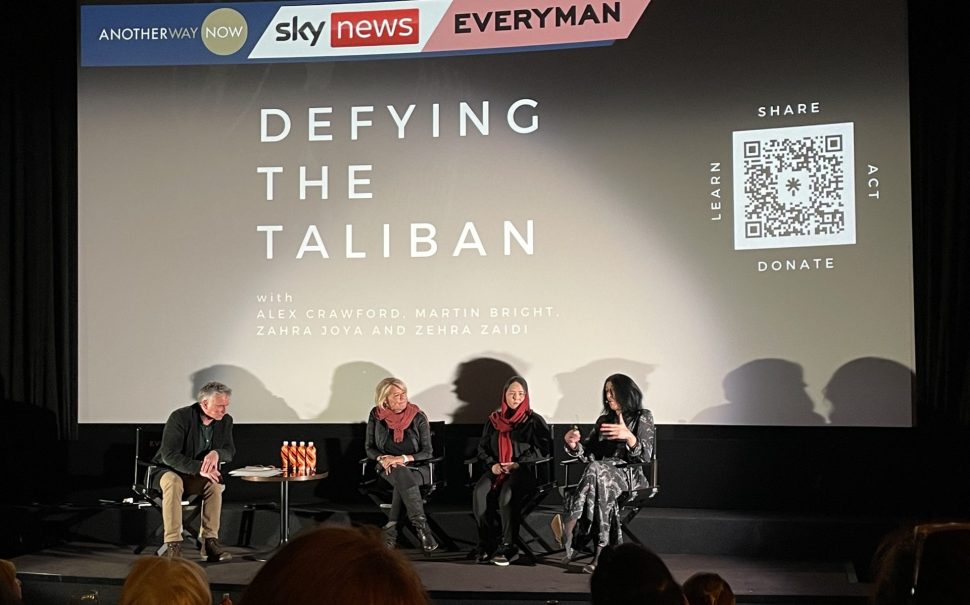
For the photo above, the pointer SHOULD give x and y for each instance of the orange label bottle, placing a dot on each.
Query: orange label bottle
(285, 457)
(301, 457)
(291, 456)
(311, 458)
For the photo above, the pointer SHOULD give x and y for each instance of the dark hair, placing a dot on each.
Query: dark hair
(708, 589)
(518, 379)
(631, 574)
(931, 558)
(626, 392)
(362, 572)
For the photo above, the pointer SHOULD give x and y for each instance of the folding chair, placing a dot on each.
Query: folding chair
(543, 470)
(380, 491)
(630, 502)
(145, 487)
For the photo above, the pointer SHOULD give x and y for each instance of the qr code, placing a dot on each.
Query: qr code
(794, 187)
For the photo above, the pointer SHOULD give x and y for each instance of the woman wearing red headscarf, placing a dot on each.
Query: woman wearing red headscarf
(398, 434)
(513, 436)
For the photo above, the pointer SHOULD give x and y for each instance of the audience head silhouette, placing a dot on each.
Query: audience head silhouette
(10, 593)
(629, 574)
(708, 589)
(165, 581)
(923, 565)
(362, 572)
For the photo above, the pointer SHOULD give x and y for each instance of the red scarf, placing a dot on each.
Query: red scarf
(398, 422)
(504, 425)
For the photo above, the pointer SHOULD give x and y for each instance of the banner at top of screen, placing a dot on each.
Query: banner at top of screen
(260, 32)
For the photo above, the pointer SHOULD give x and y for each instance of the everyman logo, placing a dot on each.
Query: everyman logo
(374, 28)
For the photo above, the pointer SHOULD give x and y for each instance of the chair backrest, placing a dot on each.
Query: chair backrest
(652, 471)
(436, 466)
(545, 472)
(147, 442)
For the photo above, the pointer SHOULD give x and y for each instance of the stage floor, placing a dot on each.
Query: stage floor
(65, 572)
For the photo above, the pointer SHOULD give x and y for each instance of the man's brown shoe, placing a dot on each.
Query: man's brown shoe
(173, 550)
(213, 551)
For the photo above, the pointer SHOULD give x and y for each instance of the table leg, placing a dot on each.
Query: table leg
(284, 512)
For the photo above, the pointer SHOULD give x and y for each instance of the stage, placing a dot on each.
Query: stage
(84, 562)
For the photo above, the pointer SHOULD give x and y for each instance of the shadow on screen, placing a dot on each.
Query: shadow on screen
(251, 400)
(871, 391)
(764, 392)
(352, 391)
(581, 390)
(478, 387)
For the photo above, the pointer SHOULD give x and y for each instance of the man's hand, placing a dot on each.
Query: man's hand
(210, 463)
(214, 475)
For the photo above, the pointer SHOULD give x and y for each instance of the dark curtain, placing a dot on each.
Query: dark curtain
(38, 223)
(38, 220)
(941, 215)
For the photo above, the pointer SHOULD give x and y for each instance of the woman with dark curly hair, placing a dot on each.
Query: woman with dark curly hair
(624, 432)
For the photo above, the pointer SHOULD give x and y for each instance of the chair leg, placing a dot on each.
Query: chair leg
(625, 519)
(548, 548)
(442, 535)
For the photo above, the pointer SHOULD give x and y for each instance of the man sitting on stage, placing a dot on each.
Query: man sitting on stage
(196, 439)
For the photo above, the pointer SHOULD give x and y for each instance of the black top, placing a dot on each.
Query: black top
(597, 447)
(531, 440)
(181, 448)
(380, 439)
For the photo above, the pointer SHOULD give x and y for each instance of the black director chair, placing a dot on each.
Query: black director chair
(630, 502)
(543, 470)
(380, 491)
(145, 487)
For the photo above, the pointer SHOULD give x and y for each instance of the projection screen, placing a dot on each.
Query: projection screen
(301, 199)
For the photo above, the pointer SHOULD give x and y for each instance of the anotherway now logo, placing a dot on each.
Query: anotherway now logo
(349, 29)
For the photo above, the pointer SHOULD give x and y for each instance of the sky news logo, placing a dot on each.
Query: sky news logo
(374, 28)
(355, 28)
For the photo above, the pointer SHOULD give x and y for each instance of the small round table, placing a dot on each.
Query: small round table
(284, 501)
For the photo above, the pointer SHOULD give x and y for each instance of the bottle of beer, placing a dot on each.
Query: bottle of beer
(226, 599)
(311, 458)
(285, 458)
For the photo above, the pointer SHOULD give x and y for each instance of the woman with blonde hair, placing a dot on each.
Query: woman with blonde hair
(398, 434)
(165, 581)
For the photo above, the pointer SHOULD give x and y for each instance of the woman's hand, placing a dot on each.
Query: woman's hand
(572, 438)
(504, 468)
(389, 462)
(618, 432)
